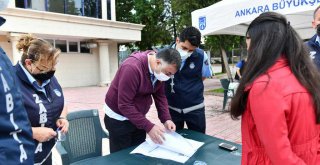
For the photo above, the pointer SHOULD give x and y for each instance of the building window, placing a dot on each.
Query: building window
(108, 10)
(57, 6)
(73, 46)
(61, 44)
(19, 4)
(36, 5)
(84, 47)
(89, 8)
(74, 7)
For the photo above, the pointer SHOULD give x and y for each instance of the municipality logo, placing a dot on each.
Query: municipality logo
(202, 23)
(57, 92)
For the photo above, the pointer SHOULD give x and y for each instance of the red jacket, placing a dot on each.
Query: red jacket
(279, 123)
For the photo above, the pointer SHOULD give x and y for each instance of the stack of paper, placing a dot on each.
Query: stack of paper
(175, 147)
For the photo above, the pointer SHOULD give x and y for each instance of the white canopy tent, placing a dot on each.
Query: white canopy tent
(233, 16)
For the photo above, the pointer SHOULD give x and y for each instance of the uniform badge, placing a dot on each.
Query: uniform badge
(57, 92)
(191, 65)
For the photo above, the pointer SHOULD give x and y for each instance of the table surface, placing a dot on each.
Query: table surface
(210, 153)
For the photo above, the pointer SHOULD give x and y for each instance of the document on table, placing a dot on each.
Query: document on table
(175, 147)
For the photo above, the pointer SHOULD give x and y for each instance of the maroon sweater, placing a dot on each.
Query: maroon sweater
(130, 92)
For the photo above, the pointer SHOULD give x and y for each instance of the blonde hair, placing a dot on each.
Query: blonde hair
(37, 49)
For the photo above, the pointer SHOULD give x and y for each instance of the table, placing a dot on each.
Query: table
(209, 153)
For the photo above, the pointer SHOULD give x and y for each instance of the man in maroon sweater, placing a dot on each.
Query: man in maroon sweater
(129, 99)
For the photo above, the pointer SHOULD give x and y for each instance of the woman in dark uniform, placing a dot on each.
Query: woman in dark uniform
(42, 94)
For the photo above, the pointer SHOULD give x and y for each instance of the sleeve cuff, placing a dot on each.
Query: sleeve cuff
(148, 127)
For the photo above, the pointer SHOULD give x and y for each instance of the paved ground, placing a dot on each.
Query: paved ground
(219, 123)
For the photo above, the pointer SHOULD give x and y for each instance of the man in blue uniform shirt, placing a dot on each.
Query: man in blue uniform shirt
(185, 89)
(314, 42)
(16, 142)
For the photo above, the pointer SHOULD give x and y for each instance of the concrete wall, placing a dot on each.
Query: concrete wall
(76, 70)
(113, 53)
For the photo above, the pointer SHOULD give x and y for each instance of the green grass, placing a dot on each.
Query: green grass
(219, 90)
(218, 73)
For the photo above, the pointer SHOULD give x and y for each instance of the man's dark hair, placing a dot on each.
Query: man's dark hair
(315, 11)
(191, 34)
(170, 56)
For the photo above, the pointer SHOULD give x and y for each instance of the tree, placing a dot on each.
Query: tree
(223, 43)
(125, 10)
(164, 19)
(181, 10)
(150, 13)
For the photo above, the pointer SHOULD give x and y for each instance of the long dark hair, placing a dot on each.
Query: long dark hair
(272, 36)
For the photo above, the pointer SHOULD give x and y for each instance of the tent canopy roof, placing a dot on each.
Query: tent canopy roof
(233, 17)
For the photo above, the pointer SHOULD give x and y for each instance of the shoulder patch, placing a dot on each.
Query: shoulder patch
(57, 92)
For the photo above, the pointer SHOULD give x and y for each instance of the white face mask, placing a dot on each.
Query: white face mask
(184, 54)
(161, 76)
(3, 4)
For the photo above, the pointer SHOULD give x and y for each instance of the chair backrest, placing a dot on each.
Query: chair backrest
(225, 83)
(84, 138)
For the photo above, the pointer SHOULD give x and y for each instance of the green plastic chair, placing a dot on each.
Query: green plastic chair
(84, 138)
(225, 85)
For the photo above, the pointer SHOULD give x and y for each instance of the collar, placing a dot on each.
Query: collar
(31, 79)
(318, 40)
(150, 70)
(281, 62)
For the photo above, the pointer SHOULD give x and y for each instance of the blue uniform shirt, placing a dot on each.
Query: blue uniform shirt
(43, 108)
(16, 142)
(240, 64)
(314, 49)
(186, 87)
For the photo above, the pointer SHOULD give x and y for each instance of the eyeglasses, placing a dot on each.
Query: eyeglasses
(44, 70)
(41, 70)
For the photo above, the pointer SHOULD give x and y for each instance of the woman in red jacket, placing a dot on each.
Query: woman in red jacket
(278, 97)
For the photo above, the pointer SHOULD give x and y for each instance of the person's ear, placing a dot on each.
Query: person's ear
(158, 61)
(177, 40)
(314, 24)
(27, 61)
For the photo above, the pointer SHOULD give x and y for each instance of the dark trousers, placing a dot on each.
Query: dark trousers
(123, 134)
(195, 120)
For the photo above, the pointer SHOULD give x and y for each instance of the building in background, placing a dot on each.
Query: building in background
(85, 30)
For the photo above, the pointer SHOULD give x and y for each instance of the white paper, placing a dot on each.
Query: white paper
(175, 147)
